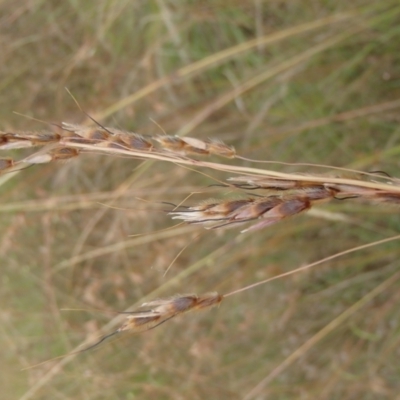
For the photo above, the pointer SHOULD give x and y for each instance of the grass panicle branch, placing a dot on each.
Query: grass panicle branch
(151, 314)
(279, 197)
(57, 146)
(284, 199)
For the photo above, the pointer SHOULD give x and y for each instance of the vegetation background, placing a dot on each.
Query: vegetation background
(321, 84)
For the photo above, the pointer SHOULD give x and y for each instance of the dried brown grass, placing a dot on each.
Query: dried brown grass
(66, 224)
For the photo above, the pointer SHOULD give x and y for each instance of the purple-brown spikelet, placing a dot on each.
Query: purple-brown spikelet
(6, 163)
(70, 140)
(158, 311)
(182, 303)
(226, 213)
(270, 209)
(64, 153)
(173, 305)
(219, 148)
(171, 143)
(388, 197)
(193, 146)
(208, 300)
(136, 142)
(19, 140)
(84, 134)
(140, 321)
(57, 154)
(182, 146)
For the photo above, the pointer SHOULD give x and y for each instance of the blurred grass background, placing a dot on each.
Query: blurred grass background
(321, 84)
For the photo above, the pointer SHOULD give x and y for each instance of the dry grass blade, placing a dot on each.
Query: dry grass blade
(224, 55)
(300, 351)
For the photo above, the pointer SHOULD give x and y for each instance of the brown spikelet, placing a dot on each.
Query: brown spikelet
(183, 146)
(10, 141)
(219, 148)
(159, 311)
(140, 321)
(174, 305)
(350, 190)
(64, 153)
(136, 142)
(57, 154)
(288, 208)
(41, 138)
(227, 212)
(368, 194)
(317, 191)
(208, 300)
(270, 209)
(18, 140)
(6, 163)
(387, 197)
(172, 143)
(182, 303)
(93, 135)
(129, 140)
(194, 146)
(16, 144)
(83, 134)
(114, 142)
(106, 137)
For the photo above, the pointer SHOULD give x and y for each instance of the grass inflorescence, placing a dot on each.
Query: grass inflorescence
(274, 118)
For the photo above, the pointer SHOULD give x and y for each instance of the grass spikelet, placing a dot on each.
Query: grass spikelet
(80, 137)
(135, 141)
(219, 148)
(183, 303)
(182, 146)
(111, 137)
(18, 140)
(152, 314)
(194, 146)
(93, 134)
(6, 163)
(39, 158)
(64, 153)
(57, 154)
(387, 197)
(157, 312)
(227, 213)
